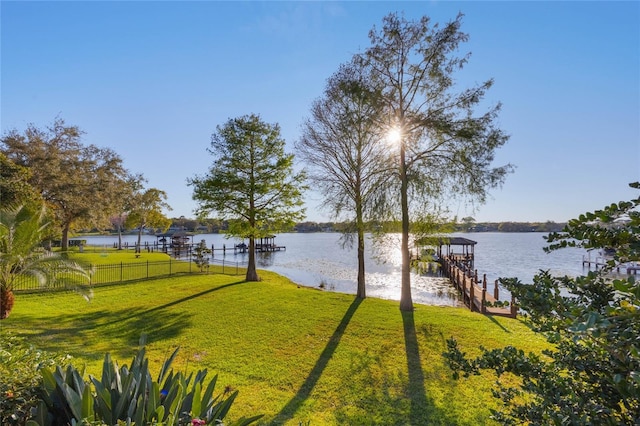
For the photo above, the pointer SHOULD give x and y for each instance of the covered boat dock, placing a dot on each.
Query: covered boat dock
(456, 255)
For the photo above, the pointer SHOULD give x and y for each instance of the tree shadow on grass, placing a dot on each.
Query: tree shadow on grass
(416, 389)
(380, 392)
(493, 320)
(79, 334)
(121, 328)
(290, 409)
(176, 302)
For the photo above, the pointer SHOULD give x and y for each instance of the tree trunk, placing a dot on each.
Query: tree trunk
(406, 302)
(361, 275)
(361, 292)
(64, 243)
(252, 274)
(6, 303)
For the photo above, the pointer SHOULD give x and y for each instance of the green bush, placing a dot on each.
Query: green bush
(130, 396)
(20, 365)
(591, 376)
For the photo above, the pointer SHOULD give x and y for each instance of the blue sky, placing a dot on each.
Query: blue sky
(152, 80)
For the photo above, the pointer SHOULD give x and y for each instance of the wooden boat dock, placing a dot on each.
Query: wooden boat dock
(262, 245)
(474, 292)
(180, 244)
(456, 257)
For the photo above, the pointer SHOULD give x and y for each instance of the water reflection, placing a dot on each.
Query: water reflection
(265, 259)
(427, 268)
(386, 249)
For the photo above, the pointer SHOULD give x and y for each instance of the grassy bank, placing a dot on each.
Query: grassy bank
(294, 353)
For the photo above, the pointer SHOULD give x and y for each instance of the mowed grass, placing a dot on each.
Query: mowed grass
(296, 354)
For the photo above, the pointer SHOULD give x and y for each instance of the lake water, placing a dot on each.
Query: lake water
(318, 259)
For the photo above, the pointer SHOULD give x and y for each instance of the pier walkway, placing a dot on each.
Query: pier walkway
(473, 291)
(602, 260)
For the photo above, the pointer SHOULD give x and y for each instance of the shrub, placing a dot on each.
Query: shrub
(201, 255)
(592, 374)
(20, 365)
(125, 395)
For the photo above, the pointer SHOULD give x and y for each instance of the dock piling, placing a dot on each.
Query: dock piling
(483, 307)
(471, 295)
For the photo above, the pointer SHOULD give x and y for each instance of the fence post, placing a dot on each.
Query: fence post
(147, 268)
(496, 291)
(121, 272)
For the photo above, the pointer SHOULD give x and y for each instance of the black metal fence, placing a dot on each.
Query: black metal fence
(126, 272)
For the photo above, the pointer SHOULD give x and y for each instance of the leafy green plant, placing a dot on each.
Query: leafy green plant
(20, 365)
(66, 398)
(592, 374)
(201, 255)
(130, 396)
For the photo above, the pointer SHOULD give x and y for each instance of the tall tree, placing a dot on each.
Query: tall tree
(251, 183)
(76, 181)
(342, 145)
(444, 149)
(145, 210)
(468, 223)
(14, 183)
(125, 202)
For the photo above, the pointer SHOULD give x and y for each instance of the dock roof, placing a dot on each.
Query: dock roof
(457, 241)
(446, 241)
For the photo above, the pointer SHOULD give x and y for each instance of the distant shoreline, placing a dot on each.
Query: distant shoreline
(328, 227)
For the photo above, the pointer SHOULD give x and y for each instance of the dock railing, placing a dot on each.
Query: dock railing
(474, 291)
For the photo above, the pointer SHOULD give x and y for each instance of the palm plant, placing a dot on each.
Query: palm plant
(22, 230)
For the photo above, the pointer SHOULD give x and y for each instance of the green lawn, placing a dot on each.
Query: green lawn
(295, 354)
(116, 266)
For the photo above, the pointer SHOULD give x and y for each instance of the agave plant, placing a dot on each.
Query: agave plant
(130, 396)
(21, 232)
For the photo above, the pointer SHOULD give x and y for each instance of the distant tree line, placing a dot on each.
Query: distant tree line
(548, 226)
(513, 227)
(214, 226)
